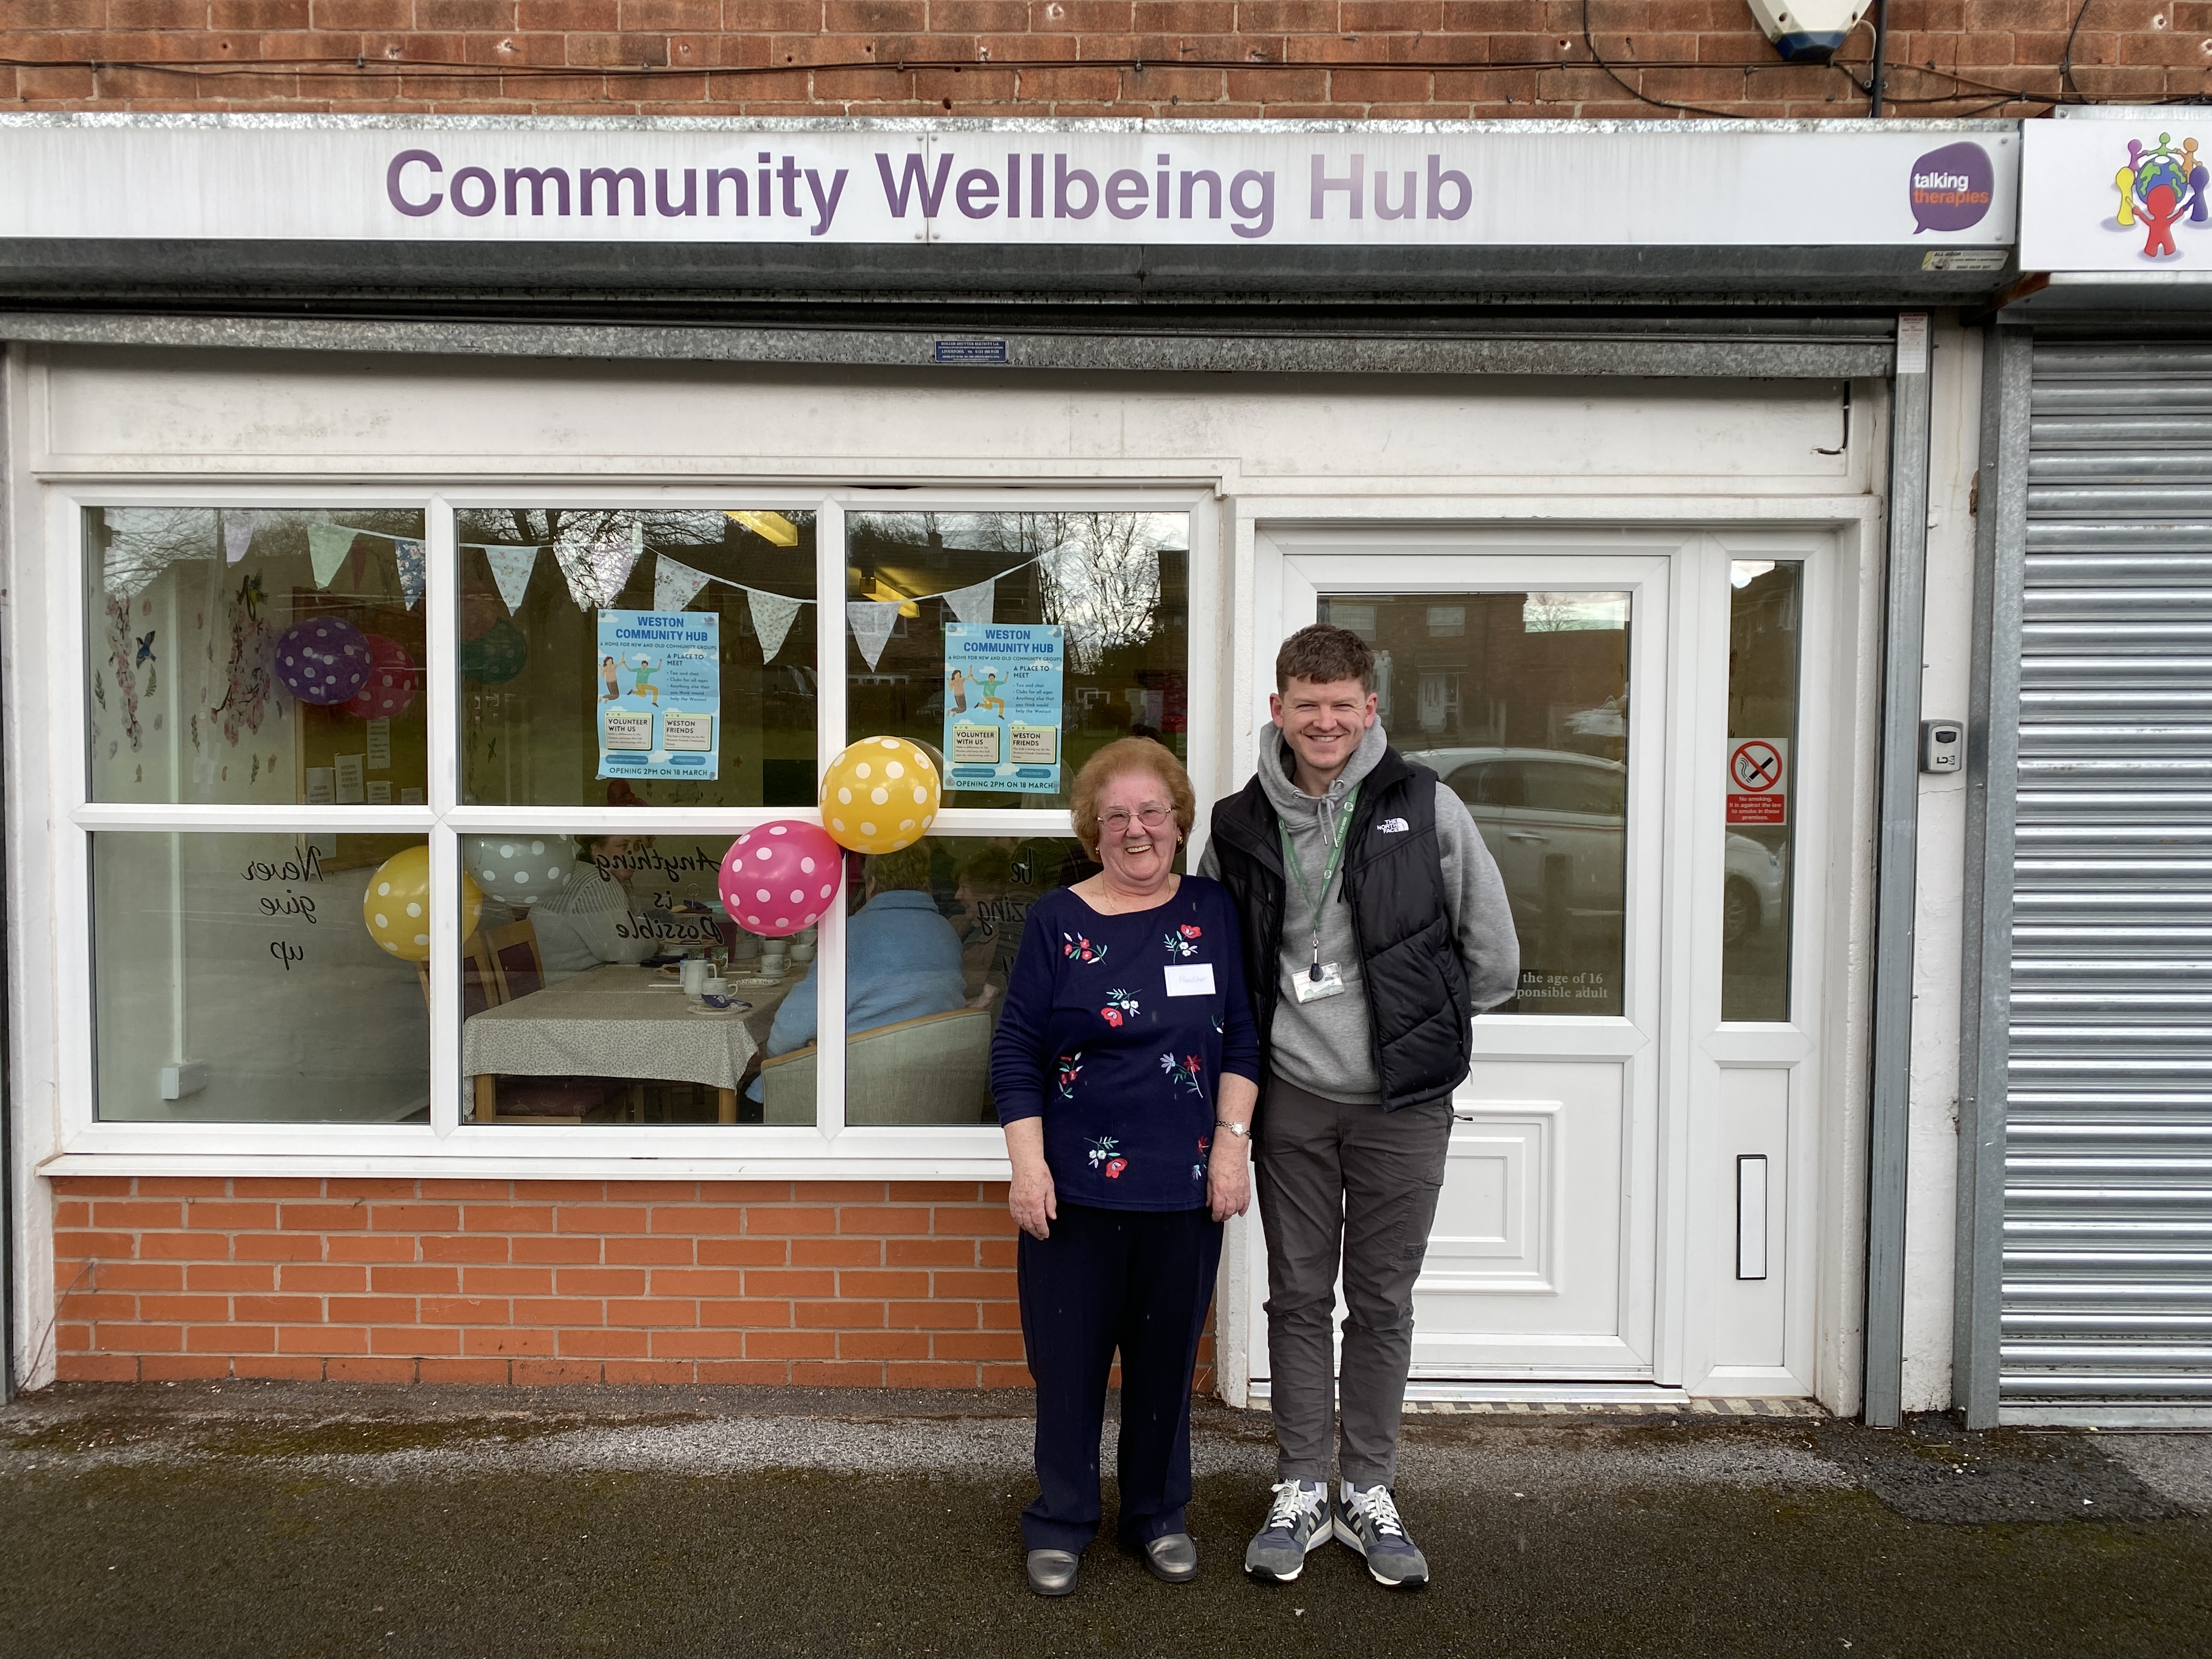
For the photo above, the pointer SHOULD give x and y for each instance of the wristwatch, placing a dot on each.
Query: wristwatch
(1242, 1131)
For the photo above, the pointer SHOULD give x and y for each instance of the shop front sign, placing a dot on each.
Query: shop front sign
(2117, 195)
(1380, 185)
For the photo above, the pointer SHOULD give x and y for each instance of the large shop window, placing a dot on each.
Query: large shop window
(629, 690)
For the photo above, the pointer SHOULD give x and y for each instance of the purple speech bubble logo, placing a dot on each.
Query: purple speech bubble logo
(1951, 188)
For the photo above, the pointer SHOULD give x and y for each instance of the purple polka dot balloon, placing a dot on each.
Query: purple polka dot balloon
(324, 660)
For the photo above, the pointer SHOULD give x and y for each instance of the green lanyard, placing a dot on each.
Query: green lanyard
(1318, 901)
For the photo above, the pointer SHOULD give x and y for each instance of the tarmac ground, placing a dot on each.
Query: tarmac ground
(253, 1519)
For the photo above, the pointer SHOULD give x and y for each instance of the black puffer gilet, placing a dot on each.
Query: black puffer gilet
(1418, 1016)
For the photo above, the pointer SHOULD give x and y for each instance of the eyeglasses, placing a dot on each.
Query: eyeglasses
(1116, 822)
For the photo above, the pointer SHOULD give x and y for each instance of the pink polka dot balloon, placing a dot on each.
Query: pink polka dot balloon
(780, 876)
(391, 683)
(323, 659)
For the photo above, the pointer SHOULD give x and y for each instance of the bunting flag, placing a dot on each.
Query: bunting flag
(511, 568)
(772, 615)
(327, 547)
(238, 532)
(412, 572)
(596, 573)
(144, 541)
(674, 584)
(976, 603)
(871, 620)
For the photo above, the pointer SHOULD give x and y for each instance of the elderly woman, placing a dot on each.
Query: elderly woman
(1126, 1070)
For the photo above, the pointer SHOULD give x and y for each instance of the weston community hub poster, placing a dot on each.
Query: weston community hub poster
(659, 695)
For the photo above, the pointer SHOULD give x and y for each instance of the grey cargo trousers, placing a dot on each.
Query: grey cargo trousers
(1355, 1185)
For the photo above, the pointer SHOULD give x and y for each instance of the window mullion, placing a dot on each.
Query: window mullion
(830, 563)
(441, 691)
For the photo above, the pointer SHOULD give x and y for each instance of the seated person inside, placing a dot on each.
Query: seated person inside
(589, 921)
(902, 960)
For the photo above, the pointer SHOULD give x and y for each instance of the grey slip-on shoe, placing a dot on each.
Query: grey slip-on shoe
(1051, 1572)
(1172, 1559)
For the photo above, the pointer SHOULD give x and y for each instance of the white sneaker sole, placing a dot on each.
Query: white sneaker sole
(1350, 1540)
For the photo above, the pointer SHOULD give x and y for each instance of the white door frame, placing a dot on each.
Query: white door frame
(1674, 1242)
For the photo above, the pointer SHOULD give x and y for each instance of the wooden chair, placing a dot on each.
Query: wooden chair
(516, 964)
(936, 1069)
(480, 987)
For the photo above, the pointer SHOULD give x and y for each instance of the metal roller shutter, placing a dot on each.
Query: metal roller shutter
(2108, 1187)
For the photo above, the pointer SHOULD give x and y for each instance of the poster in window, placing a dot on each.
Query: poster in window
(659, 693)
(1002, 706)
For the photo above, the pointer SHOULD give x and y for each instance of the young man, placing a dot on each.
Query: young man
(1376, 928)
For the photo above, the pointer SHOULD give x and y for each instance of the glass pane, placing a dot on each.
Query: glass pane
(236, 979)
(1519, 702)
(662, 659)
(1018, 644)
(1763, 640)
(604, 983)
(269, 656)
(932, 935)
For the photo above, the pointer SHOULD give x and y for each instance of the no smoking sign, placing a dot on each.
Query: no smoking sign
(1759, 781)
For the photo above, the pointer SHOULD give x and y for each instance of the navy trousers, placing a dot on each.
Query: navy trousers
(1139, 1280)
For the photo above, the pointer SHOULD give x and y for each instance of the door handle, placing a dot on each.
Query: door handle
(1525, 835)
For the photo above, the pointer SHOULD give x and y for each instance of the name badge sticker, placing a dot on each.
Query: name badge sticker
(1193, 979)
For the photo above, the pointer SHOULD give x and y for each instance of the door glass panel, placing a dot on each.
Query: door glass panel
(1519, 702)
(1764, 606)
(1093, 614)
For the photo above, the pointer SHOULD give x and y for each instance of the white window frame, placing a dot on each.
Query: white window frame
(449, 1145)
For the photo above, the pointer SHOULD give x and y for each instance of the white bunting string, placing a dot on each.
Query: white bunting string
(597, 574)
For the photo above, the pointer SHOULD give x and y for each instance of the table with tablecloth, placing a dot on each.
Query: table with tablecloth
(616, 1021)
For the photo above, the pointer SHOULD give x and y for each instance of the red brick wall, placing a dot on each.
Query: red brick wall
(901, 1284)
(1195, 57)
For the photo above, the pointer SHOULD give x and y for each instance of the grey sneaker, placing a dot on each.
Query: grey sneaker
(1297, 1525)
(1367, 1520)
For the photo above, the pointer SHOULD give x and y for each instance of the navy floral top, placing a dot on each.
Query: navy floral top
(1116, 1031)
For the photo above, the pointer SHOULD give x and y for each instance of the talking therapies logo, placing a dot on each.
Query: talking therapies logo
(2157, 187)
(1952, 188)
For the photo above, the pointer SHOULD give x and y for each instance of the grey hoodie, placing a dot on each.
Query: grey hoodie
(1327, 1048)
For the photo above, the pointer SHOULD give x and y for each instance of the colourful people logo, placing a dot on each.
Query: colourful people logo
(2157, 187)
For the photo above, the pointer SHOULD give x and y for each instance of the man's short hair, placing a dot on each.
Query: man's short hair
(1323, 654)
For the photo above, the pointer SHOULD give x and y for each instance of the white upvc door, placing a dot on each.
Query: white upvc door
(1589, 1225)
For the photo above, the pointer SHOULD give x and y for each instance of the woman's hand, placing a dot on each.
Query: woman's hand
(1031, 1198)
(1228, 1176)
(1228, 1171)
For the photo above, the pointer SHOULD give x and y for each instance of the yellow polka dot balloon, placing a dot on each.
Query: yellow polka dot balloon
(396, 906)
(879, 795)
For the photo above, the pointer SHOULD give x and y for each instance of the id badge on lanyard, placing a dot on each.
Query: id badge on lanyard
(1323, 979)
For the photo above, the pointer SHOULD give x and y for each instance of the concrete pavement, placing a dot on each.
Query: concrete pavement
(276, 1519)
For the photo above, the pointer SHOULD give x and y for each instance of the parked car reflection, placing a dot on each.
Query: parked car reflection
(1556, 821)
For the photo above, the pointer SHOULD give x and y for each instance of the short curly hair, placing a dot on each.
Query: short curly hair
(1324, 655)
(1123, 756)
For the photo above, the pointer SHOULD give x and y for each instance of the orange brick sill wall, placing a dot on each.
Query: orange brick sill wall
(864, 1284)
